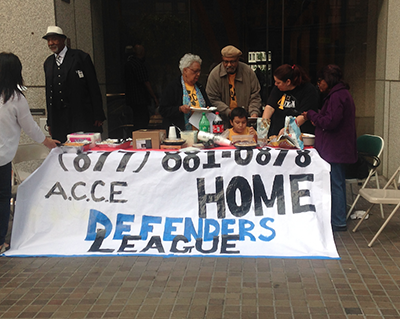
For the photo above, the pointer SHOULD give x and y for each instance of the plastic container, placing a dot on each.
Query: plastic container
(242, 138)
(190, 137)
(308, 139)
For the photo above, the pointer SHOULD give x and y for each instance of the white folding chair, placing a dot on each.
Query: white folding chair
(25, 153)
(382, 196)
(372, 145)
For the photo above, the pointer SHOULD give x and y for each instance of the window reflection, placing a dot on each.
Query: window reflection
(310, 33)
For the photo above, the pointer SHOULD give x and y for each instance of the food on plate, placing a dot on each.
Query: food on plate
(108, 141)
(114, 143)
(291, 137)
(75, 147)
(76, 144)
(245, 144)
(281, 141)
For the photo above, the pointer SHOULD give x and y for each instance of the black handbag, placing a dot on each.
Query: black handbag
(361, 168)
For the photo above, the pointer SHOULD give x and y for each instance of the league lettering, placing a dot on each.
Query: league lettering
(210, 235)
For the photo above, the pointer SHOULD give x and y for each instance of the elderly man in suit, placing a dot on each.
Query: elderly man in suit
(73, 97)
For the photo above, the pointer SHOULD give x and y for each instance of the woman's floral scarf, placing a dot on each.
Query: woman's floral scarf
(186, 101)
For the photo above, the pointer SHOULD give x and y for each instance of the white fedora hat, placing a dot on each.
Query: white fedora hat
(54, 30)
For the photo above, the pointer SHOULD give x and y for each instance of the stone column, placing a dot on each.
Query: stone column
(387, 88)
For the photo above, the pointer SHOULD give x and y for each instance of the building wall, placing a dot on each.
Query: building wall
(387, 90)
(361, 48)
(21, 30)
(23, 23)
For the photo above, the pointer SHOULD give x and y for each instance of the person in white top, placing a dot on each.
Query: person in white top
(14, 115)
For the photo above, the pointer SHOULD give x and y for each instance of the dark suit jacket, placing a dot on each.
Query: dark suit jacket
(82, 104)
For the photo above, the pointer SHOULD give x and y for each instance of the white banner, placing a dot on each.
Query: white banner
(222, 202)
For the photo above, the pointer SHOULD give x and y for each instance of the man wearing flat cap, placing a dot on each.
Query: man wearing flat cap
(73, 97)
(233, 84)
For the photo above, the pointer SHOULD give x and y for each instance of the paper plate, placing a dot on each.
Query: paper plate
(203, 109)
(122, 145)
(178, 141)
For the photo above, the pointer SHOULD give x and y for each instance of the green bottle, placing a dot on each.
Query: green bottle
(204, 124)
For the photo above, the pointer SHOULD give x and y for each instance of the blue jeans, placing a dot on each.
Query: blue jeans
(5, 196)
(338, 195)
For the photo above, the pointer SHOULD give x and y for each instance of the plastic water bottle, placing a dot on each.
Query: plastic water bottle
(204, 124)
(218, 124)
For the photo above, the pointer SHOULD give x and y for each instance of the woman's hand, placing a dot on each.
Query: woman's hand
(300, 120)
(304, 114)
(50, 143)
(184, 109)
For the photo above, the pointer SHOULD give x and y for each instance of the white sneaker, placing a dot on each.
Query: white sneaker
(358, 214)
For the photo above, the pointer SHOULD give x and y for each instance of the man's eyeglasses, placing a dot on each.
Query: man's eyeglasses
(226, 62)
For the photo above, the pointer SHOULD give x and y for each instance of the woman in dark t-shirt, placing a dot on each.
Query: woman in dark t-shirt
(292, 95)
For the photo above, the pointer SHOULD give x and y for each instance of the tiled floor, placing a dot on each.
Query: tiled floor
(363, 284)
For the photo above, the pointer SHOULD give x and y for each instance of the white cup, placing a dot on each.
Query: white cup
(204, 136)
(172, 133)
(216, 138)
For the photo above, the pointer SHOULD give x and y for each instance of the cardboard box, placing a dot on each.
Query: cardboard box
(141, 138)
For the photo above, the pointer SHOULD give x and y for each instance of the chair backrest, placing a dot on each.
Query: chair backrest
(30, 152)
(392, 180)
(26, 153)
(370, 144)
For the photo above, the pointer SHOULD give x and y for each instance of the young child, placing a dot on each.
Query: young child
(238, 119)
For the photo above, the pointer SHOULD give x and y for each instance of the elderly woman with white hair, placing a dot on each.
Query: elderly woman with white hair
(182, 93)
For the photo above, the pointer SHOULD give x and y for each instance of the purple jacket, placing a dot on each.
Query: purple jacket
(335, 129)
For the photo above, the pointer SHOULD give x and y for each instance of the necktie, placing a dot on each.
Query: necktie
(58, 60)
